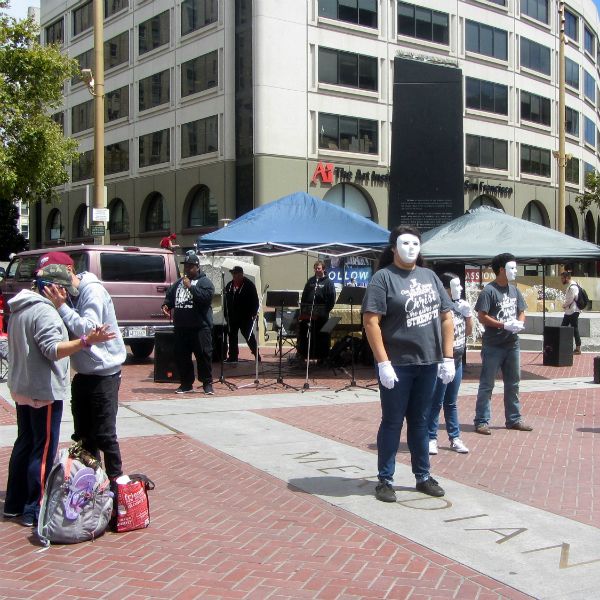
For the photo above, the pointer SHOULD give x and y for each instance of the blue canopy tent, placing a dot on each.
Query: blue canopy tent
(297, 223)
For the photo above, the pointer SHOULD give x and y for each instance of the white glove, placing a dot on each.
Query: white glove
(463, 307)
(514, 326)
(446, 370)
(387, 375)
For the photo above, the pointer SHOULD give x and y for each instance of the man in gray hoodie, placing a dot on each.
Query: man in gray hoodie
(95, 387)
(38, 379)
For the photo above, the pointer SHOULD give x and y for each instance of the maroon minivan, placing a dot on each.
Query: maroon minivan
(136, 278)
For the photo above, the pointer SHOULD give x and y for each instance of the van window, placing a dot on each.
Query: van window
(132, 267)
(81, 261)
(26, 268)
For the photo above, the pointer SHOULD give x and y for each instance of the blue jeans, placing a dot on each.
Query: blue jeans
(411, 398)
(32, 457)
(507, 359)
(446, 395)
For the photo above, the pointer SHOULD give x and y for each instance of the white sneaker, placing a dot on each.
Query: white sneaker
(458, 445)
(433, 448)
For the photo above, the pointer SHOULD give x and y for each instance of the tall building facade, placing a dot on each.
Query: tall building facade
(215, 107)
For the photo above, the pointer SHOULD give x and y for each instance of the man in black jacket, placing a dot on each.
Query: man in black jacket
(318, 299)
(241, 306)
(190, 300)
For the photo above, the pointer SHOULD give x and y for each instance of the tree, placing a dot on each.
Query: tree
(591, 194)
(34, 155)
(11, 240)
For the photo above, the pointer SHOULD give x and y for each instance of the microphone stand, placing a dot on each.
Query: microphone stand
(256, 381)
(306, 385)
(230, 385)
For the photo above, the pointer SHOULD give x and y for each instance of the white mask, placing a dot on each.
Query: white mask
(455, 288)
(511, 270)
(408, 247)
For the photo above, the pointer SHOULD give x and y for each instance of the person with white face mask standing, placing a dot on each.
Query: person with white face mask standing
(408, 321)
(446, 394)
(501, 310)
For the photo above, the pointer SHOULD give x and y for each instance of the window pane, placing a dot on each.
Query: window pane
(501, 154)
(328, 131)
(328, 66)
(487, 96)
(423, 23)
(154, 32)
(348, 69)
(116, 50)
(486, 40)
(367, 73)
(472, 93)
(348, 134)
(367, 13)
(441, 33)
(348, 10)
(501, 99)
(116, 105)
(154, 148)
(154, 90)
(328, 9)
(500, 44)
(472, 153)
(406, 19)
(368, 132)
(487, 152)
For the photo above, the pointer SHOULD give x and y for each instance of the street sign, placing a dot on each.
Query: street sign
(101, 214)
(98, 230)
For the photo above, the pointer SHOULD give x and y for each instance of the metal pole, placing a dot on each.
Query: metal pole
(99, 199)
(562, 159)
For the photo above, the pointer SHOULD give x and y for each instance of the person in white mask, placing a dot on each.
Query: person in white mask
(446, 394)
(501, 310)
(408, 321)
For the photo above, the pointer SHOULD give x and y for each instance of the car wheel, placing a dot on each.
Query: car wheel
(142, 348)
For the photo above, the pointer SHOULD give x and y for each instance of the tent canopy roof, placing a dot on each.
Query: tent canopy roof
(482, 233)
(294, 223)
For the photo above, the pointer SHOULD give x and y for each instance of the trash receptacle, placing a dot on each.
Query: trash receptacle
(558, 346)
(596, 369)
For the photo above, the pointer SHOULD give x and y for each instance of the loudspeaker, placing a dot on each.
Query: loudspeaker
(220, 343)
(558, 346)
(165, 366)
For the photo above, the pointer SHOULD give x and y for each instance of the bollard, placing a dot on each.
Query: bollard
(597, 369)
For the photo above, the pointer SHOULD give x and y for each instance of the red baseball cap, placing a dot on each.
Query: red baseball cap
(55, 258)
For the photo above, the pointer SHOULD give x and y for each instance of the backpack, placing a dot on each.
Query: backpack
(582, 298)
(77, 503)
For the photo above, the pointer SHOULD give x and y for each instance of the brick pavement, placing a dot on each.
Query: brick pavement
(222, 529)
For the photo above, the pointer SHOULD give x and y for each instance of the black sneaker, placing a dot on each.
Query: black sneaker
(208, 389)
(430, 487)
(385, 492)
(184, 390)
(28, 521)
(231, 360)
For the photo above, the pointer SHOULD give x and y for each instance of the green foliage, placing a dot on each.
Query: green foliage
(11, 240)
(34, 155)
(591, 194)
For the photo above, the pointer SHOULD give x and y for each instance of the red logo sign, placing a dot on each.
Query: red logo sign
(323, 171)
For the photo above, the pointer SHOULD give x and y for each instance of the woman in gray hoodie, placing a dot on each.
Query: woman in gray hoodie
(38, 379)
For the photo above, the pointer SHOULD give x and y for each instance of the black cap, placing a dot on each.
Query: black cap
(236, 269)
(192, 259)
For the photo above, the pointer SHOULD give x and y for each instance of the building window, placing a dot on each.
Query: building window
(154, 90)
(589, 86)
(83, 18)
(535, 108)
(348, 69)
(116, 104)
(571, 121)
(589, 41)
(535, 56)
(157, 216)
(83, 166)
(54, 225)
(85, 61)
(534, 213)
(114, 6)
(348, 134)
(154, 32)
(587, 169)
(199, 137)
(116, 158)
(485, 95)
(203, 210)
(118, 217)
(116, 50)
(487, 152)
(423, 23)
(155, 148)
(196, 14)
(535, 161)
(485, 200)
(589, 131)
(80, 229)
(349, 197)
(361, 12)
(59, 119)
(571, 73)
(571, 25)
(483, 39)
(199, 74)
(55, 32)
(82, 116)
(536, 9)
(572, 170)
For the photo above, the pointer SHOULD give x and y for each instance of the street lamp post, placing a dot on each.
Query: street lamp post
(562, 158)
